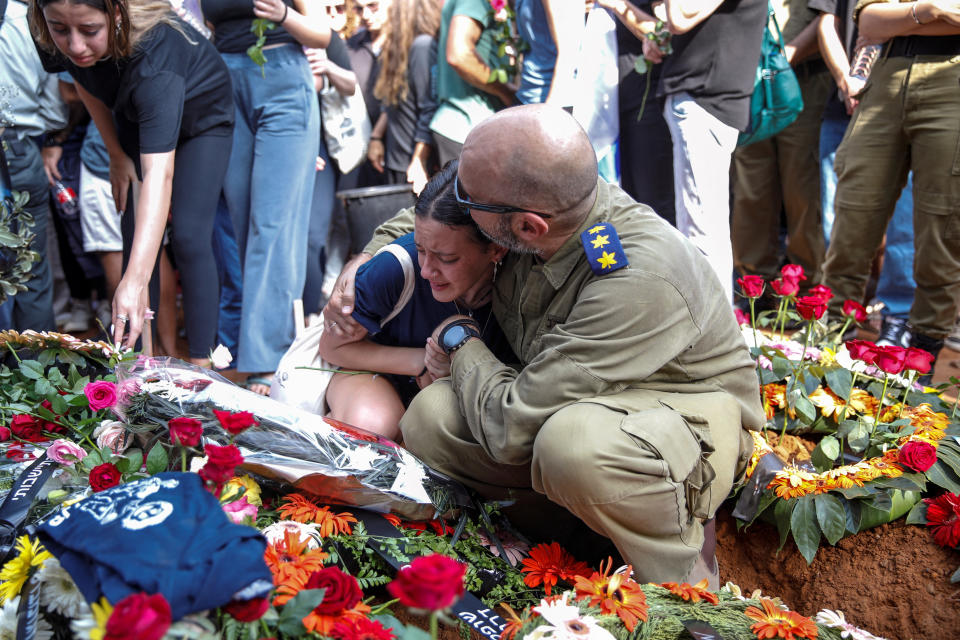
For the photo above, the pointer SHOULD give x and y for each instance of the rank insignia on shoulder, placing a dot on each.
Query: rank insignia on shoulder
(603, 249)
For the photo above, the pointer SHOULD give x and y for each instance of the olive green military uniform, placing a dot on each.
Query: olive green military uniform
(631, 405)
(908, 118)
(783, 172)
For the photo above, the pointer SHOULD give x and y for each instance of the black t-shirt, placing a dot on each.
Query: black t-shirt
(169, 89)
(337, 52)
(366, 65)
(409, 121)
(232, 19)
(847, 29)
(632, 84)
(716, 61)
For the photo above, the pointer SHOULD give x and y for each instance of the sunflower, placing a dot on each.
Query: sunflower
(551, 562)
(30, 556)
(774, 622)
(615, 593)
(692, 593)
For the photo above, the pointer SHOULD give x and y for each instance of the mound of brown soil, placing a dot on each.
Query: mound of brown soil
(892, 580)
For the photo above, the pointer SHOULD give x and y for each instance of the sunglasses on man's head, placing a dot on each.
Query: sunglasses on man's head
(464, 201)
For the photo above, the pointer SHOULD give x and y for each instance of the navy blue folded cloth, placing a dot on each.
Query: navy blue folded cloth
(164, 534)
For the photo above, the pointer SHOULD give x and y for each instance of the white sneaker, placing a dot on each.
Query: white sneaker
(80, 316)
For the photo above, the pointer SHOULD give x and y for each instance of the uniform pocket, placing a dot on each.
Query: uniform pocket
(682, 442)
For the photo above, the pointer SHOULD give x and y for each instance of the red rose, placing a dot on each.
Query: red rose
(139, 617)
(918, 360)
(792, 272)
(855, 310)
(50, 426)
(103, 476)
(943, 516)
(184, 431)
(100, 394)
(918, 455)
(890, 359)
(822, 292)
(342, 591)
(360, 629)
(784, 287)
(429, 582)
(235, 423)
(861, 350)
(741, 317)
(228, 456)
(27, 428)
(213, 478)
(811, 307)
(4, 434)
(752, 286)
(247, 610)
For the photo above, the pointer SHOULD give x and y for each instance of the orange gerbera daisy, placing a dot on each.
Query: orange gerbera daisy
(291, 563)
(323, 623)
(514, 623)
(774, 622)
(693, 593)
(548, 563)
(300, 509)
(862, 402)
(616, 593)
(829, 403)
(775, 397)
(887, 465)
(792, 482)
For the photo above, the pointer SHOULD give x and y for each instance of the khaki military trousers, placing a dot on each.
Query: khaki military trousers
(908, 118)
(782, 172)
(642, 468)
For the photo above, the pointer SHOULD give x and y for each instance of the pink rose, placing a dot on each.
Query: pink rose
(112, 435)
(65, 452)
(239, 510)
(101, 394)
(126, 389)
(498, 5)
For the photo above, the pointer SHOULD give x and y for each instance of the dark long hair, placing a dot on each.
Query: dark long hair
(438, 202)
(128, 21)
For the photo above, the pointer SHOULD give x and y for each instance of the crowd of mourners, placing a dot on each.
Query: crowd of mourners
(219, 160)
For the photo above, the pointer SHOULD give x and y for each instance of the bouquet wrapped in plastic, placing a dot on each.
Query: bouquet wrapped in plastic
(334, 461)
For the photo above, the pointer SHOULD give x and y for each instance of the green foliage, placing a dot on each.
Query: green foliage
(16, 242)
(291, 618)
(259, 27)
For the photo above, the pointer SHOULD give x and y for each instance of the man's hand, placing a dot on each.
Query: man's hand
(375, 154)
(851, 87)
(436, 361)
(337, 312)
(651, 51)
(51, 157)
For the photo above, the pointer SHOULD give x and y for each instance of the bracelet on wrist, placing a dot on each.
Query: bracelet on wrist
(376, 138)
(913, 12)
(286, 10)
(422, 373)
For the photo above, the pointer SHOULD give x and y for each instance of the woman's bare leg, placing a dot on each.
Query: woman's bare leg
(366, 401)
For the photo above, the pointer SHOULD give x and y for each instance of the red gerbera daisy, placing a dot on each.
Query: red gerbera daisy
(943, 515)
(551, 562)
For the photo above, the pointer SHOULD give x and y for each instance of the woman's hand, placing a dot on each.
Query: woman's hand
(272, 10)
(336, 314)
(417, 175)
(122, 175)
(375, 154)
(130, 304)
(51, 157)
(436, 361)
(651, 51)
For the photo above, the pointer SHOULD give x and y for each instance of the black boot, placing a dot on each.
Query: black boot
(930, 345)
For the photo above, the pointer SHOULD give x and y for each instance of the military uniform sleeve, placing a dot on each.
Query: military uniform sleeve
(398, 225)
(602, 347)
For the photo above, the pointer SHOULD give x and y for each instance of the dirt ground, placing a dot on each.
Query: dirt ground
(891, 580)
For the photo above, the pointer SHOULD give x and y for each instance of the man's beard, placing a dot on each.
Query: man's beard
(505, 237)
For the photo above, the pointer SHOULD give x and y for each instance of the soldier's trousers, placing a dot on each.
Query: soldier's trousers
(907, 119)
(642, 468)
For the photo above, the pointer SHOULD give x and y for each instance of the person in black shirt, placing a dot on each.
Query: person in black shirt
(160, 97)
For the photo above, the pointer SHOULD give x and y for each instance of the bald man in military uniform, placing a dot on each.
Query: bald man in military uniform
(636, 387)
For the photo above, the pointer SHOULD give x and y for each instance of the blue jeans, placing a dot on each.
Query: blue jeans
(33, 308)
(230, 273)
(268, 189)
(895, 286)
(324, 186)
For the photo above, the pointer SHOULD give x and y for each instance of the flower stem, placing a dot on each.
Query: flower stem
(883, 394)
(753, 321)
(434, 626)
(793, 378)
(846, 325)
(906, 392)
(780, 318)
(183, 459)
